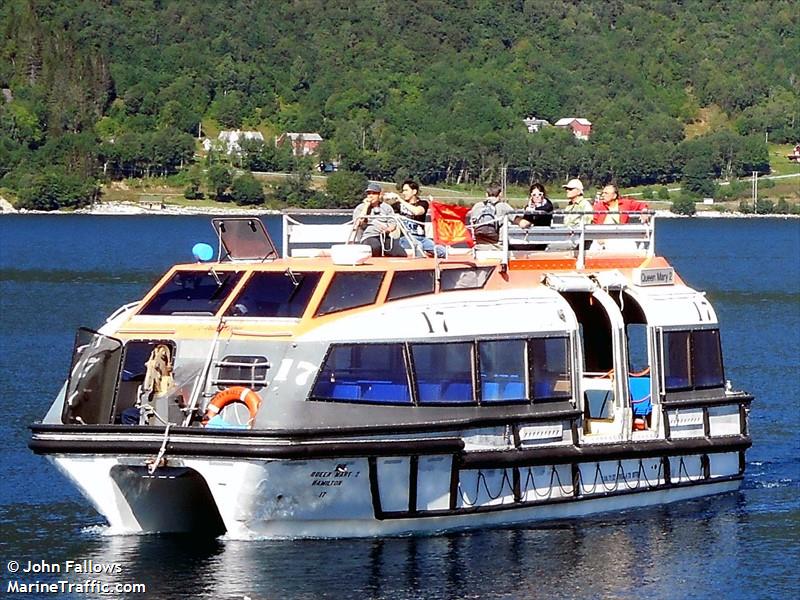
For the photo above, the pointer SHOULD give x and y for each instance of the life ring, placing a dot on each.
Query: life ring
(230, 395)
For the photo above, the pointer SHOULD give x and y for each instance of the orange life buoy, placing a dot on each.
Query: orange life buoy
(234, 394)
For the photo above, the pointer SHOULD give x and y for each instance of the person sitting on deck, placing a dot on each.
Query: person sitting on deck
(413, 210)
(610, 209)
(539, 210)
(576, 203)
(486, 216)
(376, 232)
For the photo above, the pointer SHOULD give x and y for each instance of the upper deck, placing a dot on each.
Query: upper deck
(256, 292)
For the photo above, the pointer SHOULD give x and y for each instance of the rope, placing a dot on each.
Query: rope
(482, 477)
(157, 461)
(553, 476)
(682, 468)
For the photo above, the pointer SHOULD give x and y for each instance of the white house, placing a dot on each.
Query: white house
(533, 124)
(229, 141)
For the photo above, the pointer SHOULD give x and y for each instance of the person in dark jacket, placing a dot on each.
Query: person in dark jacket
(539, 210)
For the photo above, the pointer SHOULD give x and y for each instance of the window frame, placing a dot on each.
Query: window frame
(257, 274)
(489, 270)
(237, 276)
(412, 377)
(395, 275)
(318, 308)
(361, 402)
(692, 385)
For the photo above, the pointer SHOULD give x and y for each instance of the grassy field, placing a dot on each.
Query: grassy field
(779, 164)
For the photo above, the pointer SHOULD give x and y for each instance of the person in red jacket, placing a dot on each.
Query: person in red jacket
(605, 209)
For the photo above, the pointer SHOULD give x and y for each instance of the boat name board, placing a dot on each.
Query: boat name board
(654, 276)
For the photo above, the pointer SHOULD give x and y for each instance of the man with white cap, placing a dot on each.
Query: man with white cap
(576, 204)
(376, 232)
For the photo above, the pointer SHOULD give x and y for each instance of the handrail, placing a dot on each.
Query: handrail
(577, 237)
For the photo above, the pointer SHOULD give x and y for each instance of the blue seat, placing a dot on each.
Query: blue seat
(429, 392)
(346, 391)
(490, 390)
(542, 389)
(640, 396)
(457, 392)
(514, 390)
(386, 392)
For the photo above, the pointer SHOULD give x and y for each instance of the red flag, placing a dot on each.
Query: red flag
(448, 224)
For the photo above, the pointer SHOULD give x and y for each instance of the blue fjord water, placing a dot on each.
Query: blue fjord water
(60, 272)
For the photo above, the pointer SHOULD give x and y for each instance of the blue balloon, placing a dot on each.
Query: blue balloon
(202, 251)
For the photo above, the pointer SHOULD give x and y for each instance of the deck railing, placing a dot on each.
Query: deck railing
(636, 237)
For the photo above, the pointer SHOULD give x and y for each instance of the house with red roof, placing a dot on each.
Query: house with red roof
(581, 128)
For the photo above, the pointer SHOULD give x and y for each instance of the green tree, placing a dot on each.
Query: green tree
(246, 189)
(698, 177)
(344, 189)
(765, 206)
(295, 190)
(219, 179)
(54, 188)
(192, 190)
(683, 206)
(783, 207)
(663, 193)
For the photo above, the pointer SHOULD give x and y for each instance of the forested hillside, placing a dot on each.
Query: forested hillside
(433, 89)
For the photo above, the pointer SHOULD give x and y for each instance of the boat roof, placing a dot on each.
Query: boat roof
(467, 275)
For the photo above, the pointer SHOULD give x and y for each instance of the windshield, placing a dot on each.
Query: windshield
(192, 293)
(275, 294)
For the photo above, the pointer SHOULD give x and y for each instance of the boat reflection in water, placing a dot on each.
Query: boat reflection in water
(332, 394)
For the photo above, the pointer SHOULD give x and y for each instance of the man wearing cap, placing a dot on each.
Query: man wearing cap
(576, 203)
(376, 232)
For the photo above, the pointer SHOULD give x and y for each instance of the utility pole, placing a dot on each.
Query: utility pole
(503, 178)
(755, 190)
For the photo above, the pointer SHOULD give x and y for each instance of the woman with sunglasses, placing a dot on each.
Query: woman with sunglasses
(539, 210)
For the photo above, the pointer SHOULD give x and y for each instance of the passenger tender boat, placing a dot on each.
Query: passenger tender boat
(329, 393)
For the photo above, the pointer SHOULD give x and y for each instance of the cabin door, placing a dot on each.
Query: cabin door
(603, 358)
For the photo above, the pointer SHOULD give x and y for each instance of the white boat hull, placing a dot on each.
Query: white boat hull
(351, 498)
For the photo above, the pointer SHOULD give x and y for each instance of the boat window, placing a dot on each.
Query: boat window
(192, 293)
(410, 283)
(637, 347)
(368, 373)
(443, 372)
(275, 294)
(551, 377)
(707, 359)
(676, 360)
(502, 371)
(242, 370)
(350, 290)
(692, 360)
(465, 279)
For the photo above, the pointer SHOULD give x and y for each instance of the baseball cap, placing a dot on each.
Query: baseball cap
(573, 184)
(373, 188)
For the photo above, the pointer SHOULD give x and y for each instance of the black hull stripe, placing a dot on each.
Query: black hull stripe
(466, 460)
(531, 457)
(745, 399)
(266, 451)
